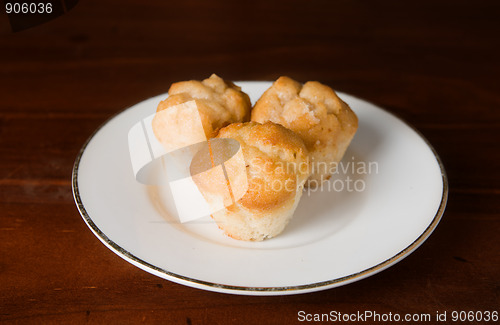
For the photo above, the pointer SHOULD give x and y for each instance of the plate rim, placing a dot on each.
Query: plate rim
(248, 290)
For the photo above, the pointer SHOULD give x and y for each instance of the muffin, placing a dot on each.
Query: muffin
(275, 168)
(195, 110)
(323, 121)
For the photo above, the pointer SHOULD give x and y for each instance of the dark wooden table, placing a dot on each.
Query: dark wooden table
(433, 63)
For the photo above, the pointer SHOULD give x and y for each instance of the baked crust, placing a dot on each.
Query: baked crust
(219, 103)
(276, 165)
(324, 122)
(276, 161)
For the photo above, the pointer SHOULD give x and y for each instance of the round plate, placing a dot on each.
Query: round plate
(387, 197)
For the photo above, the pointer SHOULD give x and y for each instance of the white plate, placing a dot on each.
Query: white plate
(335, 237)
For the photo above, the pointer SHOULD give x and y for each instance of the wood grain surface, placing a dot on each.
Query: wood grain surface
(433, 63)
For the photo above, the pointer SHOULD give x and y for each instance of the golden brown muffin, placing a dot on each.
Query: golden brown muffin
(276, 165)
(217, 102)
(314, 111)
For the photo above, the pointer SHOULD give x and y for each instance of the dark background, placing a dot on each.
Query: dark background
(433, 63)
